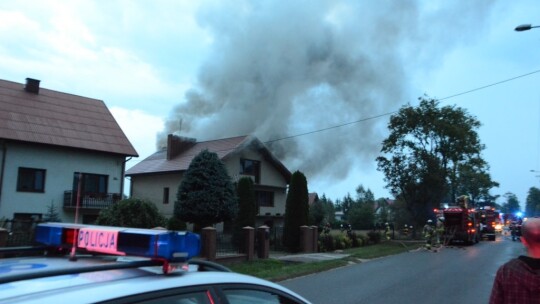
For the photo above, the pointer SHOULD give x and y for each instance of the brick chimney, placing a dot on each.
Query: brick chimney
(178, 144)
(32, 86)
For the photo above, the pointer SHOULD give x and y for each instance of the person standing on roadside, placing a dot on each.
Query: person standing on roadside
(518, 280)
(387, 231)
(428, 233)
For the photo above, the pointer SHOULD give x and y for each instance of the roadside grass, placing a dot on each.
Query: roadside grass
(383, 249)
(277, 270)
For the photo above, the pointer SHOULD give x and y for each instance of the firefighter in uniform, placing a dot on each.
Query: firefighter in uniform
(439, 229)
(428, 233)
(387, 231)
(405, 231)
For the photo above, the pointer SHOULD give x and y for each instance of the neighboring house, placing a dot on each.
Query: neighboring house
(157, 177)
(312, 198)
(51, 145)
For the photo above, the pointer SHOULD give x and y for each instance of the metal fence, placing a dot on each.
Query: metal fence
(20, 232)
(224, 244)
(276, 239)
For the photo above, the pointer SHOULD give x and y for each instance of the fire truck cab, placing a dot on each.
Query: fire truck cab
(489, 220)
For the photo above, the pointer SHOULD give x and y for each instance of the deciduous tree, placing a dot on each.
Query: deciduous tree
(431, 154)
(532, 206)
(133, 212)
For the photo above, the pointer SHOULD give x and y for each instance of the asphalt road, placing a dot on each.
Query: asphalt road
(452, 275)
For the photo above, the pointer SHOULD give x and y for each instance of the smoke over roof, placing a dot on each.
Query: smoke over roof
(278, 69)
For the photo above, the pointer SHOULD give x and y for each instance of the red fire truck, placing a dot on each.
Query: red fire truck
(489, 220)
(461, 224)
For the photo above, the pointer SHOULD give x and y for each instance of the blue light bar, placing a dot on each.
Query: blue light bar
(151, 243)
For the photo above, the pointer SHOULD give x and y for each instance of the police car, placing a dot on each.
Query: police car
(96, 264)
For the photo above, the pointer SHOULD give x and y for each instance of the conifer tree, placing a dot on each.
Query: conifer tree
(247, 209)
(296, 211)
(206, 194)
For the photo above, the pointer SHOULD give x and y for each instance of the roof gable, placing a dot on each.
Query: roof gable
(159, 162)
(60, 119)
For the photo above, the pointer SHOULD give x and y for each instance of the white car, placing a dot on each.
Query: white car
(87, 278)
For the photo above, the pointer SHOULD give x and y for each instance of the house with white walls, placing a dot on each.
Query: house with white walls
(158, 177)
(58, 149)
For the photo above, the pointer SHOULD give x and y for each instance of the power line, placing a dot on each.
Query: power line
(389, 113)
(392, 112)
(490, 85)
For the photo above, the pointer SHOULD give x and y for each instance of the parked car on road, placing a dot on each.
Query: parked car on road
(123, 265)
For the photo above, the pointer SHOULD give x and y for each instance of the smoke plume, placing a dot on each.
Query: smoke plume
(282, 68)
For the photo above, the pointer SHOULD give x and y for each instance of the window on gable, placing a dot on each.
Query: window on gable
(252, 168)
(31, 180)
(265, 198)
(165, 195)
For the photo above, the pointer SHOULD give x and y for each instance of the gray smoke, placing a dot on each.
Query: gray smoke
(281, 68)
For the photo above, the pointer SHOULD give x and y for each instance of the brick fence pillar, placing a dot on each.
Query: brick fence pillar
(263, 240)
(249, 242)
(3, 237)
(315, 238)
(305, 239)
(208, 241)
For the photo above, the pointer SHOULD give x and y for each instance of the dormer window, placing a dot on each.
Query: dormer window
(252, 168)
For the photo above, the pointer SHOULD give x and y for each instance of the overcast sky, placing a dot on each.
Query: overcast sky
(217, 69)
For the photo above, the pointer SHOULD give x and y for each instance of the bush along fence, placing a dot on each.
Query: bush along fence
(338, 241)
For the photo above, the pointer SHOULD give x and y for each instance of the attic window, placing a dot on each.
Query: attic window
(252, 168)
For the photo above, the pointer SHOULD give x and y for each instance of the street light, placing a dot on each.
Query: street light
(525, 27)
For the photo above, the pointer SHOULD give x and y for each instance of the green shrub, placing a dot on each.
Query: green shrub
(362, 240)
(355, 242)
(326, 243)
(342, 241)
(374, 237)
(176, 224)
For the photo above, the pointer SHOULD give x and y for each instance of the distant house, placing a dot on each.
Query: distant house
(312, 198)
(157, 177)
(58, 149)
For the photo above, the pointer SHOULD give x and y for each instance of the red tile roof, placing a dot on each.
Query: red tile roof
(157, 163)
(60, 119)
(312, 197)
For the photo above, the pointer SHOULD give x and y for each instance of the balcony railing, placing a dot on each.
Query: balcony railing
(91, 201)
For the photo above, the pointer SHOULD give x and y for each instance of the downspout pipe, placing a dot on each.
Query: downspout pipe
(2, 167)
(123, 177)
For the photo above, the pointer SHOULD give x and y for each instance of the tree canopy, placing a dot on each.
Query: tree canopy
(133, 212)
(532, 205)
(322, 211)
(206, 194)
(511, 207)
(433, 154)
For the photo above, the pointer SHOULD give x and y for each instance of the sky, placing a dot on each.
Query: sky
(315, 80)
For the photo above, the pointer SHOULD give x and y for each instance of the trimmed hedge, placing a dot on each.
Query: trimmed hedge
(330, 242)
